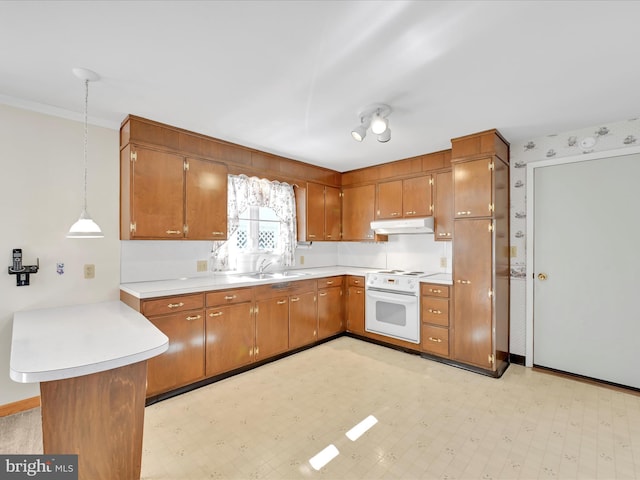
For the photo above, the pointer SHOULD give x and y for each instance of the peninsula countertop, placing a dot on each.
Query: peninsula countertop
(64, 342)
(221, 281)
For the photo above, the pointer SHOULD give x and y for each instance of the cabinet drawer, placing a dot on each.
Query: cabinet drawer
(435, 310)
(330, 282)
(435, 340)
(165, 305)
(434, 290)
(224, 297)
(356, 281)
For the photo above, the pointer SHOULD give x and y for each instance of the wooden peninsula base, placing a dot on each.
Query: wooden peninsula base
(100, 417)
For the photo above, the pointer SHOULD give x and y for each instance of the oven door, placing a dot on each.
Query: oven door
(393, 314)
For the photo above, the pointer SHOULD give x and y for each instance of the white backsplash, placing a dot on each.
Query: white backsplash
(164, 260)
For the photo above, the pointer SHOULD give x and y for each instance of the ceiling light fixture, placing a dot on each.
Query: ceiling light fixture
(85, 227)
(374, 117)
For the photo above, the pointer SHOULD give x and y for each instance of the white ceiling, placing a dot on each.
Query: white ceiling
(290, 77)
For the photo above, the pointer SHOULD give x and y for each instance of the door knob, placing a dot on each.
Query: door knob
(542, 276)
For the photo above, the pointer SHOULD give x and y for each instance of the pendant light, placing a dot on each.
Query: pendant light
(85, 227)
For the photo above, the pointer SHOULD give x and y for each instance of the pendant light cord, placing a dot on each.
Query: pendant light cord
(86, 136)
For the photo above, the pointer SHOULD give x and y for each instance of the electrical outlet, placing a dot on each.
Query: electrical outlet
(301, 259)
(443, 262)
(202, 265)
(514, 251)
(89, 270)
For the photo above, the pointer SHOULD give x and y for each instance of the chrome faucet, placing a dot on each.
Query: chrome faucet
(263, 265)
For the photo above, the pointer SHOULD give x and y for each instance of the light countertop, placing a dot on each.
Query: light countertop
(221, 281)
(65, 342)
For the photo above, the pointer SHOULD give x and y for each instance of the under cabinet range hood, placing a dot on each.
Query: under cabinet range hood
(403, 225)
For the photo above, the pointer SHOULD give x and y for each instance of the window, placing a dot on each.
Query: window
(262, 220)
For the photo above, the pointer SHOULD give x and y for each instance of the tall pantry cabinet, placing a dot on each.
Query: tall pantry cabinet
(480, 165)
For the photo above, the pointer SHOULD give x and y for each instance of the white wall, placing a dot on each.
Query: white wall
(41, 161)
(609, 136)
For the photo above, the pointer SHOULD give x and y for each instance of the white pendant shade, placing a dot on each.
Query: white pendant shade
(85, 227)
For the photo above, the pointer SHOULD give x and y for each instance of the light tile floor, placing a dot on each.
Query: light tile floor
(434, 421)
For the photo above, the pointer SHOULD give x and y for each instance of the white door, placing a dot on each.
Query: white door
(586, 317)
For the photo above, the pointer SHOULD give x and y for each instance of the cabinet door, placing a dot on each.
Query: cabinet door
(443, 206)
(229, 338)
(416, 196)
(472, 275)
(330, 312)
(272, 327)
(183, 362)
(389, 200)
(332, 213)
(472, 193)
(315, 212)
(357, 212)
(205, 200)
(157, 186)
(303, 320)
(355, 310)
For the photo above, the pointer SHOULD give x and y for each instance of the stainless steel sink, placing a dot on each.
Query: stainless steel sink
(270, 275)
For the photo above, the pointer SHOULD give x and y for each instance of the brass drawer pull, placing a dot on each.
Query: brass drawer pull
(436, 290)
(217, 233)
(394, 214)
(412, 212)
(215, 314)
(175, 305)
(311, 235)
(436, 312)
(230, 297)
(295, 299)
(197, 317)
(330, 282)
(434, 339)
(464, 213)
(281, 302)
(174, 232)
(464, 282)
(323, 294)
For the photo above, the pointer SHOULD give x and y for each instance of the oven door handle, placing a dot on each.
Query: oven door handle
(395, 297)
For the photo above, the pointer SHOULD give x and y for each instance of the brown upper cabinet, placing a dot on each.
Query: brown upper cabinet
(443, 206)
(320, 213)
(472, 196)
(168, 196)
(410, 197)
(358, 212)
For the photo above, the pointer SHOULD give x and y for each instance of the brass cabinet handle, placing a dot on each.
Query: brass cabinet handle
(464, 213)
(358, 292)
(174, 232)
(328, 235)
(310, 235)
(323, 294)
(329, 282)
(215, 314)
(542, 276)
(394, 214)
(357, 282)
(412, 212)
(295, 299)
(175, 305)
(230, 297)
(217, 233)
(435, 290)
(434, 339)
(436, 312)
(464, 282)
(197, 317)
(281, 302)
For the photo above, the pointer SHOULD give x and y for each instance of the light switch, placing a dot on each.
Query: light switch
(89, 270)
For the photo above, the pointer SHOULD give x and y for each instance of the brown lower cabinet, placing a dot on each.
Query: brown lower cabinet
(230, 331)
(330, 307)
(434, 307)
(183, 362)
(355, 304)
